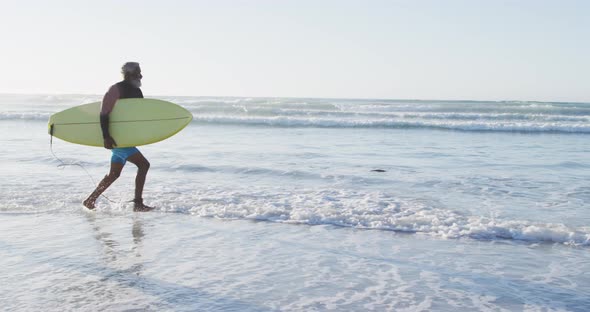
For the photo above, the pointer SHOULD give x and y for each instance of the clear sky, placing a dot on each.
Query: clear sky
(414, 49)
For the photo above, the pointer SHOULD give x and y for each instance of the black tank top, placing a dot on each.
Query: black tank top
(128, 91)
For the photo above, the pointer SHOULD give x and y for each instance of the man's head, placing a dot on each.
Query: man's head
(132, 73)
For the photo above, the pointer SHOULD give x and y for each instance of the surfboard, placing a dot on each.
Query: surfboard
(133, 122)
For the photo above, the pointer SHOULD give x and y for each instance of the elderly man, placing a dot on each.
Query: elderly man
(128, 88)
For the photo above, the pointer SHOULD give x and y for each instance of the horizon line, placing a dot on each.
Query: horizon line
(318, 98)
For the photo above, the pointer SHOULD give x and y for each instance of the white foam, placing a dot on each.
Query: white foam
(464, 125)
(24, 116)
(363, 210)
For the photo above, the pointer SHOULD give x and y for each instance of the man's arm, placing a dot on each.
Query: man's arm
(108, 103)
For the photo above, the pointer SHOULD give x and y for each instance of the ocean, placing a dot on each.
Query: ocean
(301, 204)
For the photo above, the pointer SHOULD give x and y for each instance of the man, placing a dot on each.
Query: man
(128, 88)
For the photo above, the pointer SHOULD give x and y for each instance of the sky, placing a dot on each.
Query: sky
(530, 50)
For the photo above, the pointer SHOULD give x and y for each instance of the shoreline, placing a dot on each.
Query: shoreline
(153, 261)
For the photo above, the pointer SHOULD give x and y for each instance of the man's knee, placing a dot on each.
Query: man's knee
(113, 175)
(144, 166)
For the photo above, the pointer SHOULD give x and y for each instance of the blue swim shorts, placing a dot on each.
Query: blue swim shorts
(120, 155)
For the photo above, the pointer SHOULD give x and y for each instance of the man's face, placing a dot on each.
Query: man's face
(135, 77)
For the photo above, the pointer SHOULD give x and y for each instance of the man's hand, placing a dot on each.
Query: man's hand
(109, 143)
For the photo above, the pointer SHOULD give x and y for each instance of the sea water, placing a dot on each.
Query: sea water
(267, 204)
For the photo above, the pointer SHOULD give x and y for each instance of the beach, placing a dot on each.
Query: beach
(171, 262)
(294, 204)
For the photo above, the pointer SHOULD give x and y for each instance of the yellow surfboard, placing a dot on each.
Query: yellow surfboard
(133, 122)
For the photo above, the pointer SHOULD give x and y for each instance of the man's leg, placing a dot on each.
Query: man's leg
(114, 173)
(143, 165)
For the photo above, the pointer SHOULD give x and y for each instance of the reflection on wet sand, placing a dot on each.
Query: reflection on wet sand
(113, 253)
(123, 266)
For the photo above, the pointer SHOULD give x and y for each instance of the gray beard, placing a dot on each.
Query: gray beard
(136, 83)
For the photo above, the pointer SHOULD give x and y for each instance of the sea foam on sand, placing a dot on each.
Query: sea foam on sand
(116, 261)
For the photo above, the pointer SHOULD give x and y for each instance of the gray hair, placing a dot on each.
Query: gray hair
(129, 67)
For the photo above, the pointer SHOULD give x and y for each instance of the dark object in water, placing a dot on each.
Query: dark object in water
(378, 170)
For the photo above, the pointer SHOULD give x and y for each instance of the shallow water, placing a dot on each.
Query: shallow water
(121, 261)
(276, 207)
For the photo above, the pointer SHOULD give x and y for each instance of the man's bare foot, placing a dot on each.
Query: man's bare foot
(140, 207)
(88, 203)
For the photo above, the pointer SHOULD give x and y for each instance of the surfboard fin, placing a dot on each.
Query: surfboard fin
(51, 134)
